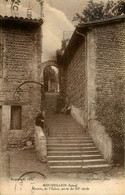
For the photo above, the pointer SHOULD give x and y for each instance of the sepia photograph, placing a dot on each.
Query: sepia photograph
(62, 97)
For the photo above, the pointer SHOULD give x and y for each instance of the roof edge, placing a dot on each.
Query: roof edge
(21, 19)
(103, 21)
(71, 47)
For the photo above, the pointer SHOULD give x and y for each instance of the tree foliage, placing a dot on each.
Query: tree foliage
(101, 10)
(49, 75)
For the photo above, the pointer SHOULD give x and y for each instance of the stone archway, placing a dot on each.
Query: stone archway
(51, 96)
(49, 63)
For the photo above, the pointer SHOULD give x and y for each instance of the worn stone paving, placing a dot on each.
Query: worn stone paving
(27, 161)
(23, 161)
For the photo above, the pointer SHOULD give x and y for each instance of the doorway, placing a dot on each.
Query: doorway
(51, 88)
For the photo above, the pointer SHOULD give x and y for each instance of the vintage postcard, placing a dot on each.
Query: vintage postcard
(62, 78)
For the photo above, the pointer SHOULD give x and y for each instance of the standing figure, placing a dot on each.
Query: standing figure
(40, 119)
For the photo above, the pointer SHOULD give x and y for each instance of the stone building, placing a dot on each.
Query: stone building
(20, 52)
(92, 77)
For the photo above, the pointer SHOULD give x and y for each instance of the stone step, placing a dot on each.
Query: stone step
(60, 130)
(69, 153)
(69, 127)
(69, 138)
(66, 135)
(63, 122)
(65, 119)
(52, 134)
(61, 133)
(69, 141)
(70, 145)
(66, 130)
(65, 162)
(66, 169)
(76, 162)
(50, 148)
(75, 157)
(83, 169)
(95, 168)
(70, 148)
(94, 161)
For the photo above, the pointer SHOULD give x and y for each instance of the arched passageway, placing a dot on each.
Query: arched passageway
(50, 80)
(50, 76)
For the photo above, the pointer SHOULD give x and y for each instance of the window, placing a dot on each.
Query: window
(16, 117)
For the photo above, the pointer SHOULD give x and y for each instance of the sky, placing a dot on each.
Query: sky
(58, 15)
(68, 7)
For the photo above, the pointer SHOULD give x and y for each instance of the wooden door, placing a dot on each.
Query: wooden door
(15, 117)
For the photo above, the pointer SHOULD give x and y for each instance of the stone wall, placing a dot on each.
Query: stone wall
(94, 83)
(106, 74)
(21, 63)
(75, 76)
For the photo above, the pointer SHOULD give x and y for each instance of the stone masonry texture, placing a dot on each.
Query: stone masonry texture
(75, 77)
(100, 74)
(21, 59)
(110, 59)
(110, 80)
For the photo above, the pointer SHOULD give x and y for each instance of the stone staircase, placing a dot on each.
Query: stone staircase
(69, 147)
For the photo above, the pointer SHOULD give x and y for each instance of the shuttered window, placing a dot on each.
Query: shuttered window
(16, 117)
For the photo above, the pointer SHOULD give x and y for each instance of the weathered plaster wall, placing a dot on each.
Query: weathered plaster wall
(5, 125)
(40, 144)
(79, 115)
